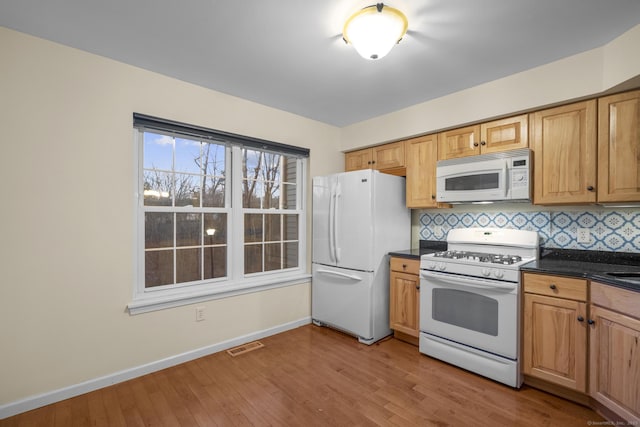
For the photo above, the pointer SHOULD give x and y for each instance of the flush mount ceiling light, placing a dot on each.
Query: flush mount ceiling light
(374, 30)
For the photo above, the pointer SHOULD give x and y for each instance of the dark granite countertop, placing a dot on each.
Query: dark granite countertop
(591, 265)
(426, 247)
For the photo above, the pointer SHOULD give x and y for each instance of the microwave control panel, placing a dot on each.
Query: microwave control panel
(519, 178)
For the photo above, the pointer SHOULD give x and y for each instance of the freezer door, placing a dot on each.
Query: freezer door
(353, 226)
(323, 220)
(343, 299)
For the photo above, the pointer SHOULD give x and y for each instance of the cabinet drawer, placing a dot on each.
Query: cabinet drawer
(404, 265)
(617, 299)
(556, 286)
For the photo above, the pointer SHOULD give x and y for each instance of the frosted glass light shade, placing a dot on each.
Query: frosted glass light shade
(374, 30)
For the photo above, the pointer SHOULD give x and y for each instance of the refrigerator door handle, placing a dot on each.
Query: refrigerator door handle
(332, 243)
(344, 275)
(336, 248)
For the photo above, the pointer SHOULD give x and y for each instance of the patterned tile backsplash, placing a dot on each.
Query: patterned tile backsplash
(610, 230)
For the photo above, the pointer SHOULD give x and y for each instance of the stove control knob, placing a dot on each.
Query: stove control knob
(442, 266)
(486, 272)
(498, 273)
(431, 266)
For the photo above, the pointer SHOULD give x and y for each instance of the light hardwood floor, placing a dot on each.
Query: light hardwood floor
(312, 376)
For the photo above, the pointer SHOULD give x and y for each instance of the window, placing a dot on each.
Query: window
(269, 193)
(218, 213)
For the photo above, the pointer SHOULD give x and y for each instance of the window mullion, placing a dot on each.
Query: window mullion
(236, 225)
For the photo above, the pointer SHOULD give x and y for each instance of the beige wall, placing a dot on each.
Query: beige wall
(67, 191)
(574, 77)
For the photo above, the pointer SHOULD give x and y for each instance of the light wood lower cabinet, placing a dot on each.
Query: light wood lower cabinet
(555, 330)
(404, 299)
(584, 337)
(614, 360)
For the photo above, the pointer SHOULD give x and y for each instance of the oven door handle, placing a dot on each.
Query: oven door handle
(465, 282)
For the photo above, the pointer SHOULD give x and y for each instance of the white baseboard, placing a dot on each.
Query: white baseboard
(40, 400)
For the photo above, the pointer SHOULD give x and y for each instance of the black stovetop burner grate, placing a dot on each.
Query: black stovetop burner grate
(479, 257)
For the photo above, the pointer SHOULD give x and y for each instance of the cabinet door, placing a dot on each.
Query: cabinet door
(564, 144)
(358, 160)
(388, 156)
(615, 362)
(421, 171)
(555, 341)
(404, 303)
(619, 148)
(460, 142)
(505, 134)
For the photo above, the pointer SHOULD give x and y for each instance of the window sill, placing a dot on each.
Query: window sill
(152, 302)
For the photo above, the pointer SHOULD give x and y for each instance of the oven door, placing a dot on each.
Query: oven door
(476, 312)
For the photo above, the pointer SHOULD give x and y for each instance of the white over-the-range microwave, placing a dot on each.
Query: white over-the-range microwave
(504, 176)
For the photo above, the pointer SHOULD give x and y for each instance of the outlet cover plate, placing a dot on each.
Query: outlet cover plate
(584, 235)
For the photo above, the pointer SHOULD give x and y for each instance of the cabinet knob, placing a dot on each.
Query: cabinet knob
(475, 144)
(591, 322)
(580, 319)
(590, 188)
(404, 266)
(483, 143)
(433, 197)
(552, 286)
(418, 288)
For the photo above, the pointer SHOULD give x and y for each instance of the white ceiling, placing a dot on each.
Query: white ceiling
(289, 54)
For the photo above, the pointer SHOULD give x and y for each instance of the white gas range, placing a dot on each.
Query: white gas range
(470, 300)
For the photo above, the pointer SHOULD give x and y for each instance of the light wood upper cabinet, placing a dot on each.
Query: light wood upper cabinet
(459, 142)
(614, 357)
(563, 140)
(504, 134)
(358, 160)
(388, 158)
(555, 331)
(404, 297)
(619, 148)
(422, 155)
(490, 137)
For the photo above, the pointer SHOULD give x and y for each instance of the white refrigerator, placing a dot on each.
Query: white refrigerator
(358, 218)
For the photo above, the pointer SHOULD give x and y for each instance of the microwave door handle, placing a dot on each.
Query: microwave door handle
(505, 180)
(466, 282)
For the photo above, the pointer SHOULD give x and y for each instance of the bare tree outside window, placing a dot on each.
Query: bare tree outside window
(217, 213)
(179, 174)
(267, 244)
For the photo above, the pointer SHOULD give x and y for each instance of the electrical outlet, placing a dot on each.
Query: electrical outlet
(584, 235)
(199, 314)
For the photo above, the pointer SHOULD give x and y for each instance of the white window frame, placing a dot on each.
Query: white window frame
(236, 283)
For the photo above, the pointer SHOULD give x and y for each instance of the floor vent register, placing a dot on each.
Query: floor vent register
(245, 348)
